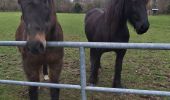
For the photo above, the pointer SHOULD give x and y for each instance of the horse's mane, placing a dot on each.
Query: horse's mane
(52, 5)
(147, 1)
(115, 10)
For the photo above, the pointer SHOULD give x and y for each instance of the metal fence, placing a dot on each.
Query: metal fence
(83, 87)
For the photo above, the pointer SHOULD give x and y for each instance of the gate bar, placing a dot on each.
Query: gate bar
(153, 46)
(51, 85)
(128, 91)
(88, 88)
(83, 73)
(82, 45)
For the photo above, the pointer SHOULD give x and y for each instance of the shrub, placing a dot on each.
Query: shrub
(78, 8)
(168, 9)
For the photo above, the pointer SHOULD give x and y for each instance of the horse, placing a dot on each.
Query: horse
(110, 25)
(38, 25)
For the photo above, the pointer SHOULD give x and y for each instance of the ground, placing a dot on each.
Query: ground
(142, 69)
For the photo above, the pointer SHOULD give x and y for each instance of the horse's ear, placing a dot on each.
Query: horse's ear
(19, 1)
(46, 1)
(35, 1)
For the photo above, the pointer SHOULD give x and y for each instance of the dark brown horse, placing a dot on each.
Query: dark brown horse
(38, 25)
(110, 25)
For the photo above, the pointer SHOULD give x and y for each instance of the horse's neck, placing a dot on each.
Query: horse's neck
(52, 5)
(53, 13)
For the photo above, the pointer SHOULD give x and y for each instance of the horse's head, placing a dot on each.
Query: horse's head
(137, 15)
(36, 16)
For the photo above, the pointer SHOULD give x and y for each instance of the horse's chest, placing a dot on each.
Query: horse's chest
(54, 57)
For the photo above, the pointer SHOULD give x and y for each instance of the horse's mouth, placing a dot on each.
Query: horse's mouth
(142, 29)
(36, 48)
(35, 51)
(140, 32)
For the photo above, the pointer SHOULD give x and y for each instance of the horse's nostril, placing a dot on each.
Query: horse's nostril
(142, 27)
(28, 46)
(41, 47)
(35, 47)
(145, 26)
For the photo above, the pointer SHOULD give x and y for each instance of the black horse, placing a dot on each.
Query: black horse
(110, 25)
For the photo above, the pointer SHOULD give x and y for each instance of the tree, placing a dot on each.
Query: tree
(8, 5)
(162, 5)
(64, 5)
(78, 8)
(168, 9)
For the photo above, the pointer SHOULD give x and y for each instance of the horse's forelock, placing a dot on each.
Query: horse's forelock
(147, 1)
(19, 1)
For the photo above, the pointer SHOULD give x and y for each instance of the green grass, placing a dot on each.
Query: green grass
(142, 69)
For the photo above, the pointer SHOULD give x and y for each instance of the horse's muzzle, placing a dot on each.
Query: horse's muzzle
(36, 47)
(143, 28)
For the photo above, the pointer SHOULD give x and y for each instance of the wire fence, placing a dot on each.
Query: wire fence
(83, 86)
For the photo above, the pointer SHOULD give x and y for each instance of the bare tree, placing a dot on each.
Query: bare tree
(8, 5)
(162, 5)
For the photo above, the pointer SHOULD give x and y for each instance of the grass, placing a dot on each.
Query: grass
(142, 69)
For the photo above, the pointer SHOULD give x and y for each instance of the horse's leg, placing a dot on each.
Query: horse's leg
(95, 65)
(45, 69)
(118, 68)
(54, 74)
(32, 73)
(45, 72)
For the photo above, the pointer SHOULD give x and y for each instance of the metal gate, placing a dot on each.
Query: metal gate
(83, 87)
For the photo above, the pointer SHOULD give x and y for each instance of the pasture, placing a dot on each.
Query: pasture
(142, 69)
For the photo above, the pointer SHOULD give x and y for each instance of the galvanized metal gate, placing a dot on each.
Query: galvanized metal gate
(83, 87)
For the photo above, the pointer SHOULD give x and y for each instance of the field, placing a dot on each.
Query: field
(142, 69)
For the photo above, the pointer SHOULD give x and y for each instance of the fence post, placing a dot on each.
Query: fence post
(83, 73)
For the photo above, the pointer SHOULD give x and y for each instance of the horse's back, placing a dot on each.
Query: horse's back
(92, 18)
(95, 11)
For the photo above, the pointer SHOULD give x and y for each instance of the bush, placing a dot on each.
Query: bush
(78, 8)
(168, 9)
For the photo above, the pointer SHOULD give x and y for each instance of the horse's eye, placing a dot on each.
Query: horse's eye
(38, 28)
(47, 24)
(134, 1)
(29, 26)
(45, 1)
(136, 17)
